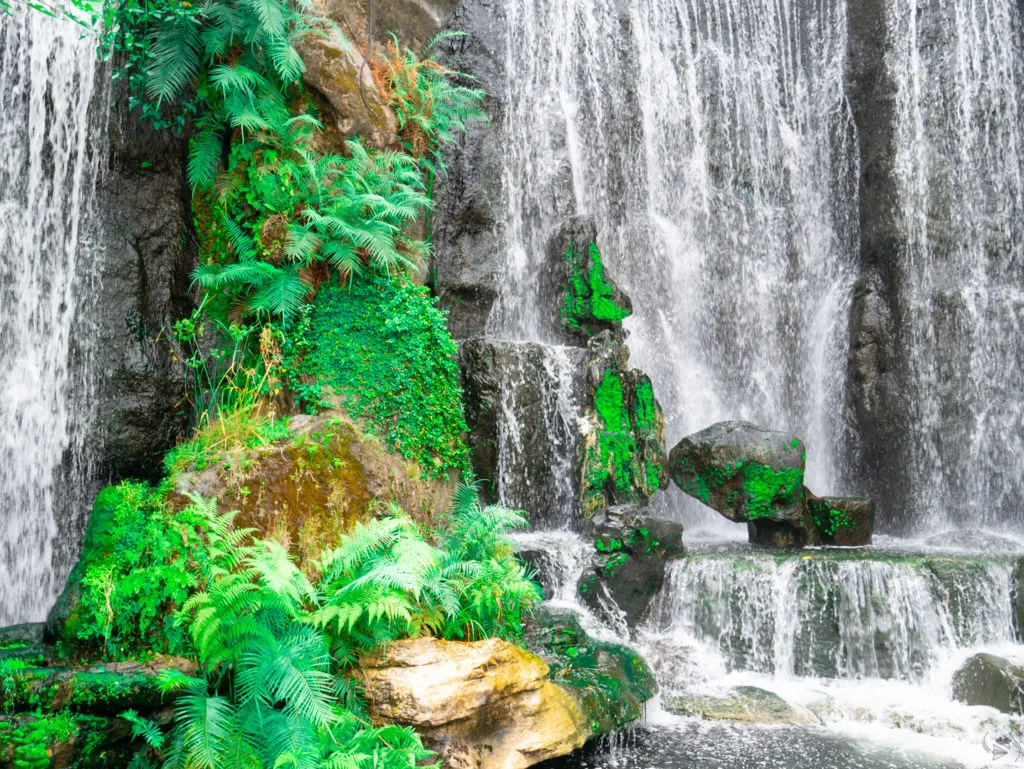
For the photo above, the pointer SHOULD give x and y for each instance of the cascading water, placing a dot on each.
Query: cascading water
(714, 146)
(958, 67)
(890, 617)
(537, 437)
(52, 144)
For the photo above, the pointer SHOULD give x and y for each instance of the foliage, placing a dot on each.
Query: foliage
(433, 109)
(272, 644)
(292, 215)
(383, 347)
(228, 368)
(138, 564)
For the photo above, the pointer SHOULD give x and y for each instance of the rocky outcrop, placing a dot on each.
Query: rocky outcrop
(633, 551)
(144, 288)
(743, 705)
(486, 704)
(309, 488)
(341, 76)
(995, 682)
(623, 428)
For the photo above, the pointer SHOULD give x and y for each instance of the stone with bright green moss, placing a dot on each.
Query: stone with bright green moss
(842, 521)
(745, 472)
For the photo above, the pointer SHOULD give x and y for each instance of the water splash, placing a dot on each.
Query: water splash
(52, 145)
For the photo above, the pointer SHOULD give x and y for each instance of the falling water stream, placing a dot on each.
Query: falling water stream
(52, 144)
(716, 144)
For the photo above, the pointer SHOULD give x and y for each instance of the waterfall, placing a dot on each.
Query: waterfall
(958, 67)
(892, 618)
(537, 435)
(713, 144)
(716, 146)
(52, 146)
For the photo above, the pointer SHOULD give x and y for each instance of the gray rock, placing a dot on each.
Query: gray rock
(742, 704)
(633, 551)
(745, 472)
(986, 679)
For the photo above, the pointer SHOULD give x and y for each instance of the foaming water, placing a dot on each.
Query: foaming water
(52, 144)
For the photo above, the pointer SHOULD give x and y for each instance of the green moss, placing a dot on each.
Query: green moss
(765, 487)
(28, 740)
(588, 296)
(384, 348)
(828, 520)
(138, 564)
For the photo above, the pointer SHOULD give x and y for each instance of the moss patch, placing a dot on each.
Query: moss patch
(383, 348)
(589, 299)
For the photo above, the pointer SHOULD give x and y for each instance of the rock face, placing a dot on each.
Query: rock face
(633, 551)
(340, 74)
(150, 252)
(487, 704)
(742, 704)
(744, 472)
(986, 679)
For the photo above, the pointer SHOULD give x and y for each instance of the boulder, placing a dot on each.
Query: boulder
(623, 427)
(842, 521)
(307, 489)
(105, 689)
(748, 474)
(633, 551)
(742, 704)
(486, 704)
(986, 679)
(610, 680)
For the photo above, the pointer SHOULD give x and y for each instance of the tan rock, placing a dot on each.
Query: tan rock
(486, 704)
(307, 490)
(337, 71)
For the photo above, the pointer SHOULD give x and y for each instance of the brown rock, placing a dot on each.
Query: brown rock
(341, 75)
(306, 491)
(486, 704)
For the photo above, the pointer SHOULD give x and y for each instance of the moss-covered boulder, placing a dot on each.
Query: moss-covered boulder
(842, 521)
(623, 431)
(748, 474)
(64, 741)
(306, 489)
(986, 679)
(741, 704)
(105, 689)
(591, 301)
(611, 681)
(632, 551)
